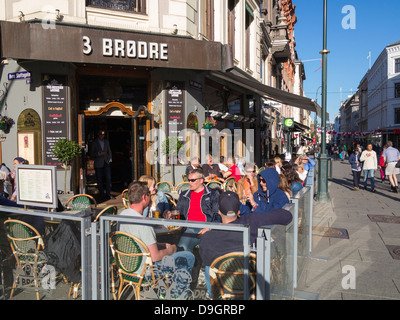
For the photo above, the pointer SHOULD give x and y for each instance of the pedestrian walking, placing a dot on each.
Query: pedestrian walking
(356, 167)
(382, 164)
(370, 166)
(391, 156)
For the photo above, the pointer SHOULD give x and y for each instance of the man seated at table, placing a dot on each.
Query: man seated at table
(139, 198)
(194, 164)
(211, 170)
(216, 243)
(199, 203)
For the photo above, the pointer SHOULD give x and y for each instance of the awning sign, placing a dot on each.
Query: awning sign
(289, 123)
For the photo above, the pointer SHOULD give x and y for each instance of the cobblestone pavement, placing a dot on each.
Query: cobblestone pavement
(366, 264)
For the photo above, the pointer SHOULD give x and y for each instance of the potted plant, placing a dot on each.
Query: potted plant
(209, 123)
(6, 123)
(66, 151)
(170, 147)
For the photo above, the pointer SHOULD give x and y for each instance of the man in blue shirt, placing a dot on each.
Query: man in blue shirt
(391, 156)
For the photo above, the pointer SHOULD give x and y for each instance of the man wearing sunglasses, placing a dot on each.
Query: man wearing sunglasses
(199, 203)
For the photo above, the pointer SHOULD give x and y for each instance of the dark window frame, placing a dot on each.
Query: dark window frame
(125, 6)
(397, 90)
(397, 65)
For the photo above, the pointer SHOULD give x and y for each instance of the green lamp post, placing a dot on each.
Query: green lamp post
(323, 195)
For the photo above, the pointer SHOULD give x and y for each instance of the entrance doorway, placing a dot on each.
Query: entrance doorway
(126, 136)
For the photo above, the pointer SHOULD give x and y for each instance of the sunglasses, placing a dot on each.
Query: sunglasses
(193, 180)
(262, 180)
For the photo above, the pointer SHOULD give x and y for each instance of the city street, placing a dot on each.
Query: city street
(372, 223)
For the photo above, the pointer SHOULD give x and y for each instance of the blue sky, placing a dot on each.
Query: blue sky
(377, 24)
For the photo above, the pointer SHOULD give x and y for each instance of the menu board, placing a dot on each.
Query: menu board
(175, 107)
(36, 185)
(54, 115)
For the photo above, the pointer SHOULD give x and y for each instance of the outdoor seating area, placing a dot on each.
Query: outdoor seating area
(131, 275)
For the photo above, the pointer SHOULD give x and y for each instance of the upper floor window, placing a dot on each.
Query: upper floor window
(397, 90)
(138, 6)
(397, 115)
(207, 23)
(397, 65)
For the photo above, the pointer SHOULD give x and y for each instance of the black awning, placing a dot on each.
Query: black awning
(300, 127)
(284, 97)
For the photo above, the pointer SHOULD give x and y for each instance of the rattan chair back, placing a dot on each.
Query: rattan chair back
(227, 276)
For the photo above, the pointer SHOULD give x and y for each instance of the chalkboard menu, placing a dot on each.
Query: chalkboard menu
(54, 115)
(175, 107)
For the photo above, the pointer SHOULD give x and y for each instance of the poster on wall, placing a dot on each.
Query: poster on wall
(55, 124)
(26, 146)
(175, 107)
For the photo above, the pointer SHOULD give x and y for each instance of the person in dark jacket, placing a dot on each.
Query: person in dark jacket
(216, 243)
(356, 167)
(199, 203)
(268, 196)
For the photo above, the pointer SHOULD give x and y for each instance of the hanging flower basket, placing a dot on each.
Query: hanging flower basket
(209, 123)
(6, 123)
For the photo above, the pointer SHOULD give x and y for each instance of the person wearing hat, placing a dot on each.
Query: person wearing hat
(216, 243)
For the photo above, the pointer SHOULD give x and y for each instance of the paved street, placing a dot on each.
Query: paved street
(366, 249)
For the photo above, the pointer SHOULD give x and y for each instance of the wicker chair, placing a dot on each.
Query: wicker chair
(26, 244)
(165, 186)
(230, 184)
(227, 276)
(132, 258)
(125, 200)
(109, 210)
(214, 185)
(182, 186)
(80, 202)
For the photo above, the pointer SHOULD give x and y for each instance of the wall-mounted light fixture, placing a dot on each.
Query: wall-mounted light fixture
(21, 16)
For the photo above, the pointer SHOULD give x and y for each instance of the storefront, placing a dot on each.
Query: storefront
(74, 80)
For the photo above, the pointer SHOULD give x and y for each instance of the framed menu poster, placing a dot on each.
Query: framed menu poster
(36, 185)
(26, 146)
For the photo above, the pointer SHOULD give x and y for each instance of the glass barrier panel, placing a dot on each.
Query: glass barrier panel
(41, 256)
(159, 259)
(282, 253)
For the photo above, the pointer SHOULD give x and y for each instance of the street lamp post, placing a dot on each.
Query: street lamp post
(323, 195)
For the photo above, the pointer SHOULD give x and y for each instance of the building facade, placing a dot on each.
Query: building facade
(142, 71)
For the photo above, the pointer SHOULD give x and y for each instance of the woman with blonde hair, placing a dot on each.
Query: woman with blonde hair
(278, 164)
(284, 186)
(159, 201)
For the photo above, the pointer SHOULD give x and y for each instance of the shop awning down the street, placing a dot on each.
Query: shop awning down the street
(263, 90)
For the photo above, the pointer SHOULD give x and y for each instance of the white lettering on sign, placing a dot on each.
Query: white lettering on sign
(129, 48)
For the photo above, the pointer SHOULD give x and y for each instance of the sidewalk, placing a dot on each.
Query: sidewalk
(366, 236)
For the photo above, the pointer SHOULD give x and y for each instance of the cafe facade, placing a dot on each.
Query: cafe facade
(71, 81)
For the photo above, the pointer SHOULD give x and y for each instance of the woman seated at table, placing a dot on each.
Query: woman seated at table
(159, 201)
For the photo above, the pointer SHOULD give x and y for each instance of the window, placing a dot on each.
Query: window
(231, 24)
(138, 6)
(397, 115)
(397, 90)
(397, 65)
(248, 24)
(207, 23)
